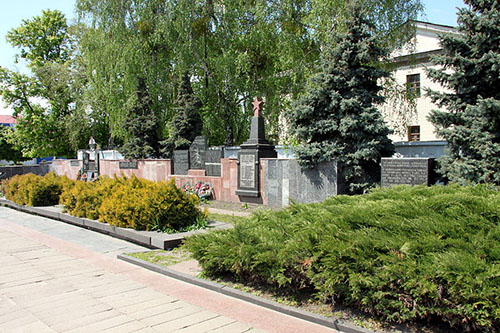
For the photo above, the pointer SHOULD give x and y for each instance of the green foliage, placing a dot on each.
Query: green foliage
(134, 203)
(44, 100)
(471, 72)
(236, 50)
(404, 254)
(141, 126)
(84, 199)
(7, 150)
(42, 39)
(146, 205)
(34, 190)
(337, 119)
(187, 123)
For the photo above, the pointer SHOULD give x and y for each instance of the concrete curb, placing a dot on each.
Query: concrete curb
(314, 318)
(149, 239)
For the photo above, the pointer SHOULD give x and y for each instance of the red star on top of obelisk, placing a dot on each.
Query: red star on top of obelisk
(257, 107)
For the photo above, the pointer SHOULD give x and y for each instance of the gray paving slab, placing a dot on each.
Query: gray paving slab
(94, 241)
(69, 281)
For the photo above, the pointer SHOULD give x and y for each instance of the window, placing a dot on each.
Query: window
(414, 133)
(413, 84)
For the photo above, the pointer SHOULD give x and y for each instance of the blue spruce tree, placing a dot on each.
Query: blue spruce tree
(337, 118)
(470, 69)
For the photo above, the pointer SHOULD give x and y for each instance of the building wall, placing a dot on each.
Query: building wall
(424, 103)
(412, 59)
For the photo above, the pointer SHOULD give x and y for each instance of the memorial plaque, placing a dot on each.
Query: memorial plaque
(128, 165)
(213, 164)
(86, 161)
(75, 163)
(407, 171)
(197, 153)
(247, 171)
(181, 162)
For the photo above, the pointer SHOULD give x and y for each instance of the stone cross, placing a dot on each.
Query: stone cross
(257, 107)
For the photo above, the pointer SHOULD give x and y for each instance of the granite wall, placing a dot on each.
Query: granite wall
(281, 180)
(285, 180)
(9, 171)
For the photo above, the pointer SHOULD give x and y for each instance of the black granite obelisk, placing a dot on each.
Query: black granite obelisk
(252, 150)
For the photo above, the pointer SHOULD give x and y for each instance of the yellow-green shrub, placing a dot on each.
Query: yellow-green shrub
(33, 190)
(146, 205)
(84, 199)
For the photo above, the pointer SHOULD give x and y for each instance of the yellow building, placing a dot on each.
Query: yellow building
(411, 63)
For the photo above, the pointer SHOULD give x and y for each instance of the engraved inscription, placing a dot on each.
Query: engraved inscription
(74, 163)
(247, 171)
(128, 165)
(399, 171)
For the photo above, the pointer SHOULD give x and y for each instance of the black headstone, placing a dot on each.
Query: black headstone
(213, 164)
(197, 153)
(86, 163)
(181, 162)
(252, 150)
(407, 171)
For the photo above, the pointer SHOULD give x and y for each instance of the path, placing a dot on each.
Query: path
(60, 278)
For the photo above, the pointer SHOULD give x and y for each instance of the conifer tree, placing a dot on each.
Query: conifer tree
(187, 123)
(141, 125)
(337, 118)
(470, 69)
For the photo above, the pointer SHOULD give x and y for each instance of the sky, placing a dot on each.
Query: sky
(15, 11)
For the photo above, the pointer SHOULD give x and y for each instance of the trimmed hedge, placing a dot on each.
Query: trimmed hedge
(84, 199)
(134, 203)
(147, 205)
(120, 201)
(403, 254)
(34, 190)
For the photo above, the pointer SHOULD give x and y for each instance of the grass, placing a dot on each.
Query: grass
(231, 219)
(162, 257)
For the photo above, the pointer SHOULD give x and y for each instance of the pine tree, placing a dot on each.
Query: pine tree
(470, 69)
(142, 127)
(337, 118)
(187, 123)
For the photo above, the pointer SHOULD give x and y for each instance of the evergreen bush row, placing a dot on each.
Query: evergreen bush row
(120, 201)
(34, 190)
(404, 254)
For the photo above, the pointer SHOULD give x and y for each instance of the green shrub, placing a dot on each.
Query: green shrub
(133, 203)
(404, 254)
(146, 205)
(84, 199)
(34, 190)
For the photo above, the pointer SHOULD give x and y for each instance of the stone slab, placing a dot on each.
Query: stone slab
(71, 219)
(407, 171)
(197, 153)
(180, 162)
(133, 236)
(317, 319)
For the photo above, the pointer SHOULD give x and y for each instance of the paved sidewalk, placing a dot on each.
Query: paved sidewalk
(60, 278)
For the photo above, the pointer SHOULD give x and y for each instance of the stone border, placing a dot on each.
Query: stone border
(149, 239)
(337, 324)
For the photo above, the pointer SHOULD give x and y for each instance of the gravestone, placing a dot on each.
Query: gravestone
(407, 171)
(90, 168)
(252, 150)
(197, 153)
(181, 162)
(213, 164)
